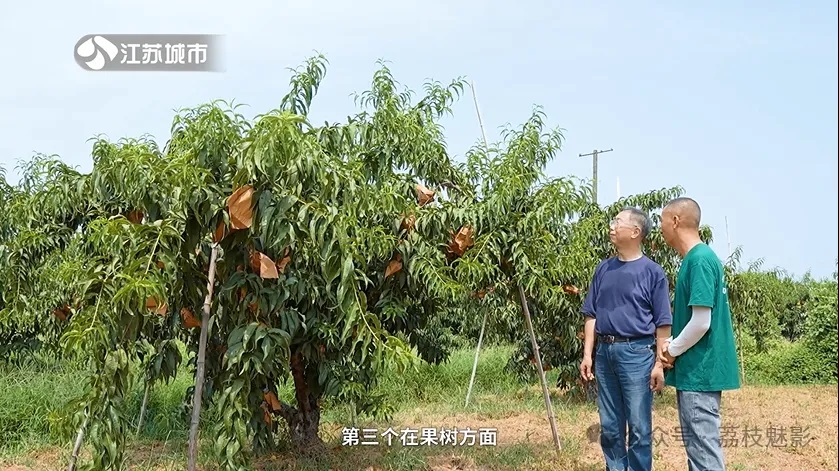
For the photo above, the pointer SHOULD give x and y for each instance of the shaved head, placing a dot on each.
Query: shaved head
(690, 215)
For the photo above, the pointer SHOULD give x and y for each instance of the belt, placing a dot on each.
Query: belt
(618, 338)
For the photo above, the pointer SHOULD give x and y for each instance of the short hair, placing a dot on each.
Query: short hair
(641, 219)
(688, 209)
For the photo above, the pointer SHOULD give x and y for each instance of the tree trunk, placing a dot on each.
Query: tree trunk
(199, 372)
(303, 420)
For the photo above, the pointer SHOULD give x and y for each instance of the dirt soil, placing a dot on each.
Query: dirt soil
(764, 428)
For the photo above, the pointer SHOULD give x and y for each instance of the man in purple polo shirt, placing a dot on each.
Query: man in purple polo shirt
(627, 312)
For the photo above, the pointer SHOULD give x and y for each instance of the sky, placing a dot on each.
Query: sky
(736, 102)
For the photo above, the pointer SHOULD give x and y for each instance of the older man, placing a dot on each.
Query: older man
(701, 360)
(627, 311)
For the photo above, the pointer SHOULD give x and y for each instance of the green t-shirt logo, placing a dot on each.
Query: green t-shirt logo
(711, 364)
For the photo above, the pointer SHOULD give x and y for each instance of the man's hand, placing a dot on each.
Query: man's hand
(586, 369)
(665, 357)
(657, 377)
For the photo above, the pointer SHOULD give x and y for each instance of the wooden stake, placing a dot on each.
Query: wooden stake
(143, 408)
(486, 312)
(544, 380)
(78, 445)
(477, 351)
(199, 373)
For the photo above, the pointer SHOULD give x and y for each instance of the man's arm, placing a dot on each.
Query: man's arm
(586, 370)
(702, 283)
(662, 315)
(590, 313)
(662, 336)
(588, 347)
(697, 326)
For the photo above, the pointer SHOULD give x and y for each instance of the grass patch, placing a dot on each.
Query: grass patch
(430, 396)
(28, 396)
(441, 383)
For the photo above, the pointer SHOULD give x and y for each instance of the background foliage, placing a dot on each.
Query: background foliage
(348, 253)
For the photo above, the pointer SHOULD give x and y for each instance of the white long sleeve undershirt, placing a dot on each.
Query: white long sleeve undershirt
(696, 327)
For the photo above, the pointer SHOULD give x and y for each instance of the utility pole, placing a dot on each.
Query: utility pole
(728, 238)
(594, 155)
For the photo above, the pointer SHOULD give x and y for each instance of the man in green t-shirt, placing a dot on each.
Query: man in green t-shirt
(700, 359)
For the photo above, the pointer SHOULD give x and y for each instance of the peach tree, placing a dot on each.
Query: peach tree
(276, 250)
(337, 273)
(82, 268)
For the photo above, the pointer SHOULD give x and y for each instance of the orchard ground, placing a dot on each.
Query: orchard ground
(801, 420)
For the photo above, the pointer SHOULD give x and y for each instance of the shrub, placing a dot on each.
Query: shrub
(813, 358)
(821, 329)
(789, 363)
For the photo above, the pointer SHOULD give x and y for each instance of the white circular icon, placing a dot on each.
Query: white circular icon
(91, 52)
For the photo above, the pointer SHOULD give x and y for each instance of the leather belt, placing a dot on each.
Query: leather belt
(618, 338)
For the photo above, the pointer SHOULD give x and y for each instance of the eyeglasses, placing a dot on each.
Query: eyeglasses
(620, 222)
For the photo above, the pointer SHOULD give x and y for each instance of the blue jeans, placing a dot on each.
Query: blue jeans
(622, 370)
(699, 417)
